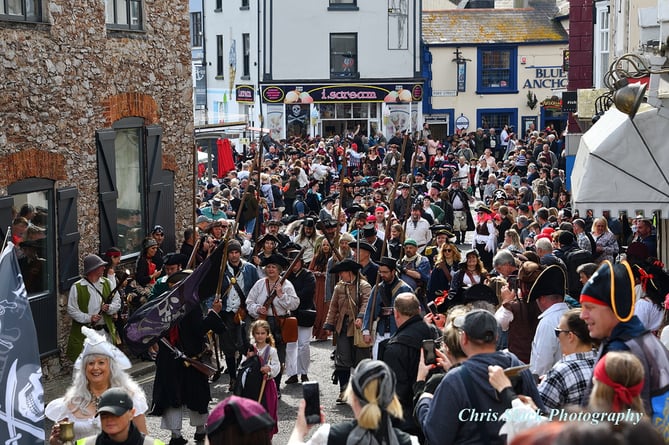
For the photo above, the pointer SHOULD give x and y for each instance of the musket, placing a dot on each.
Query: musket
(213, 339)
(193, 254)
(280, 281)
(7, 236)
(389, 222)
(198, 365)
(407, 211)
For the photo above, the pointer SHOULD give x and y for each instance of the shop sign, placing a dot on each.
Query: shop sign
(462, 122)
(569, 101)
(549, 77)
(552, 103)
(245, 93)
(306, 94)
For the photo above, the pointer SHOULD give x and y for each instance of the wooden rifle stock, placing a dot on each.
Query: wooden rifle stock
(272, 294)
(198, 365)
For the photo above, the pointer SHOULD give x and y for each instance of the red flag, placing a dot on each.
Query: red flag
(224, 157)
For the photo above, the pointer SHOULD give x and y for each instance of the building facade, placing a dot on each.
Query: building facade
(317, 67)
(96, 135)
(489, 68)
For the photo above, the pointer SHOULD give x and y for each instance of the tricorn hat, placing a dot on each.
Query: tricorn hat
(389, 262)
(346, 265)
(364, 245)
(552, 281)
(276, 259)
(612, 285)
(480, 292)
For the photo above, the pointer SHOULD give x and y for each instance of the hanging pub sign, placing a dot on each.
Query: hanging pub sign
(245, 93)
(552, 103)
(306, 94)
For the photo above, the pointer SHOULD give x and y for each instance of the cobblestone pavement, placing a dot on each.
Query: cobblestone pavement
(320, 370)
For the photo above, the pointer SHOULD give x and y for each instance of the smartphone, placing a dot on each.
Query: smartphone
(311, 395)
(432, 307)
(429, 354)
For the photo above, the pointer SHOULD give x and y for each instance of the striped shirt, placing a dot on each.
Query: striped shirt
(567, 381)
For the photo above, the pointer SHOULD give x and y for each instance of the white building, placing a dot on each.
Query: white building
(314, 67)
(491, 67)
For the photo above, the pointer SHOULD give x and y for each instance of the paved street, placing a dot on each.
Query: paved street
(321, 370)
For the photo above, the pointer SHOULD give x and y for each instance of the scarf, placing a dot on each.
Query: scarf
(364, 373)
(622, 394)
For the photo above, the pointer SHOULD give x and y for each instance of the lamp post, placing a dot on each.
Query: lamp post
(314, 119)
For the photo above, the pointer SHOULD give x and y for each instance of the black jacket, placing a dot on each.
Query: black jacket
(402, 353)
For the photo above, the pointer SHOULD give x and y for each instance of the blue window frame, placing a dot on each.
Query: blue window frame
(496, 118)
(497, 71)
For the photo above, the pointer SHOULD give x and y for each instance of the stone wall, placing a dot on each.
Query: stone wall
(63, 79)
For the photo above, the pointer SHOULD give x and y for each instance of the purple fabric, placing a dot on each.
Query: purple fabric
(154, 319)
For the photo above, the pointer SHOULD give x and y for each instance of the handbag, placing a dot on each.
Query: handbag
(358, 339)
(288, 328)
(306, 317)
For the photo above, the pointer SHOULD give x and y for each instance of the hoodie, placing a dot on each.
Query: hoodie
(453, 416)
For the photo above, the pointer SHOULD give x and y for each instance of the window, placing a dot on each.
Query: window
(21, 10)
(245, 4)
(135, 193)
(343, 4)
(496, 118)
(497, 73)
(127, 153)
(29, 210)
(601, 43)
(344, 55)
(246, 44)
(196, 29)
(219, 56)
(219, 6)
(124, 14)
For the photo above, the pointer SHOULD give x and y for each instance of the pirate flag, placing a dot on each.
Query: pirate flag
(22, 405)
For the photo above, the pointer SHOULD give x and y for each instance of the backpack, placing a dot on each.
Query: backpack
(655, 359)
(572, 260)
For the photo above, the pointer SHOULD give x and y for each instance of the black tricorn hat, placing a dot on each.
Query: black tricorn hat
(267, 237)
(368, 230)
(364, 245)
(612, 285)
(389, 262)
(552, 281)
(480, 292)
(346, 265)
(277, 259)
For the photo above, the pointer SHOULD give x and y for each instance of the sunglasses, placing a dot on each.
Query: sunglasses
(448, 250)
(558, 331)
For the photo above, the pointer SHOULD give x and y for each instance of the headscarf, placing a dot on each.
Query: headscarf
(367, 371)
(621, 393)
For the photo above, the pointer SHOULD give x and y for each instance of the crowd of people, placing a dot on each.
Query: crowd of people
(469, 246)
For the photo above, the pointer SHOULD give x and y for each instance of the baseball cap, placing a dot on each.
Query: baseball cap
(478, 324)
(115, 401)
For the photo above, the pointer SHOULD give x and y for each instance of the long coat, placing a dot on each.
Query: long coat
(175, 383)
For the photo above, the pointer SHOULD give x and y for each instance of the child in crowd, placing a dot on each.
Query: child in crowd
(255, 379)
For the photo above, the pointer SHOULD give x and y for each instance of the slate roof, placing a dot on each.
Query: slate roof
(476, 26)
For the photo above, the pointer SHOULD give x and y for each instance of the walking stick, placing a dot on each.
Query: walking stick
(262, 388)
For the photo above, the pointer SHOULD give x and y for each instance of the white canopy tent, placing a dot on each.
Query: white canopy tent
(623, 165)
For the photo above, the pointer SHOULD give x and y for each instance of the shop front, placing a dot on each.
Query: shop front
(298, 110)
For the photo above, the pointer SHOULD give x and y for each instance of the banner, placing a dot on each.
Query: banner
(22, 405)
(148, 323)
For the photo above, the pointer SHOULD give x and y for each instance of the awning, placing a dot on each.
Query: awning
(623, 165)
